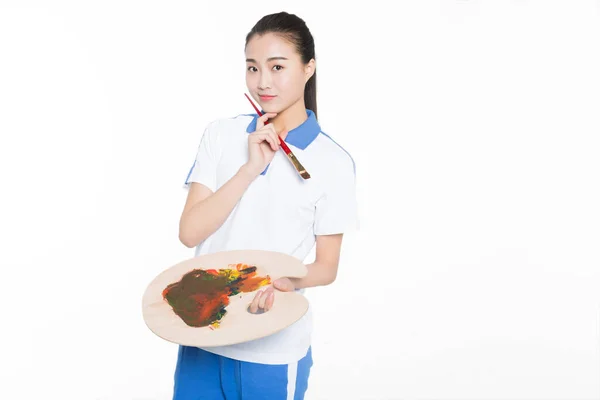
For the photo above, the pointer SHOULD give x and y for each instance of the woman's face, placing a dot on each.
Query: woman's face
(274, 70)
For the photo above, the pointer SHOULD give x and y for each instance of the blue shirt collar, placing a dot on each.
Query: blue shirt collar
(301, 136)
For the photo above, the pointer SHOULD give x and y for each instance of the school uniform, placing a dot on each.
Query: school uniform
(280, 211)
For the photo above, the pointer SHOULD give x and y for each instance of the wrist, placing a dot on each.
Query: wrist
(247, 172)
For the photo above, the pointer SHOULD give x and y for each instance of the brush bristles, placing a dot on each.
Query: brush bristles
(298, 166)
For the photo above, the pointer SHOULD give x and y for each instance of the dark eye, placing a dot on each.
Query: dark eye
(249, 68)
(278, 66)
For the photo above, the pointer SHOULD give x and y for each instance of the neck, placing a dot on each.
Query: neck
(290, 118)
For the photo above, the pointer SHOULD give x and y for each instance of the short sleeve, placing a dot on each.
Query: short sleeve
(336, 211)
(204, 166)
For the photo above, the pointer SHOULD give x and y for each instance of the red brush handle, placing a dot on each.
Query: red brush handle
(284, 146)
(281, 142)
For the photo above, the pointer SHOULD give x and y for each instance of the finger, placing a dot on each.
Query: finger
(260, 135)
(254, 304)
(275, 137)
(266, 138)
(264, 296)
(255, 300)
(262, 119)
(263, 137)
(274, 141)
(270, 300)
(283, 284)
(271, 128)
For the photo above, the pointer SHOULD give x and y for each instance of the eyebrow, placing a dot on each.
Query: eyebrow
(268, 59)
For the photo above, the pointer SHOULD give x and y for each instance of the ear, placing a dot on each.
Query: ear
(309, 69)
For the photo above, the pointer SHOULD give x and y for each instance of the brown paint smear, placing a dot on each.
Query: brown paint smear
(200, 297)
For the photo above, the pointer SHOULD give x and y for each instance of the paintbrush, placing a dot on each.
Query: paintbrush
(299, 168)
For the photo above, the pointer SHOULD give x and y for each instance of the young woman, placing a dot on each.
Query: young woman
(245, 194)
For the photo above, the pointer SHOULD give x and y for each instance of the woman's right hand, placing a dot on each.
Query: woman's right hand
(263, 143)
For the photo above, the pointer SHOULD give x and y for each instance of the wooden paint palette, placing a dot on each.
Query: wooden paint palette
(237, 325)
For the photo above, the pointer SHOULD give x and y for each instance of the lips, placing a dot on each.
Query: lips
(266, 97)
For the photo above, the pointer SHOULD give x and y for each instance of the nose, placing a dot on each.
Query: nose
(264, 81)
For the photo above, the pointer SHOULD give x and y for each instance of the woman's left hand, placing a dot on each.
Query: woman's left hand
(263, 301)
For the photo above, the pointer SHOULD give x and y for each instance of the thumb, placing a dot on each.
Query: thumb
(283, 284)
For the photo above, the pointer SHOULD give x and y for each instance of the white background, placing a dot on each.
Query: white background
(474, 126)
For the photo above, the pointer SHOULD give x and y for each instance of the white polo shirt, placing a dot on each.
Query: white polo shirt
(279, 211)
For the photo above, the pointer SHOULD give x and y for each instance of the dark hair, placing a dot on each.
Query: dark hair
(293, 29)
